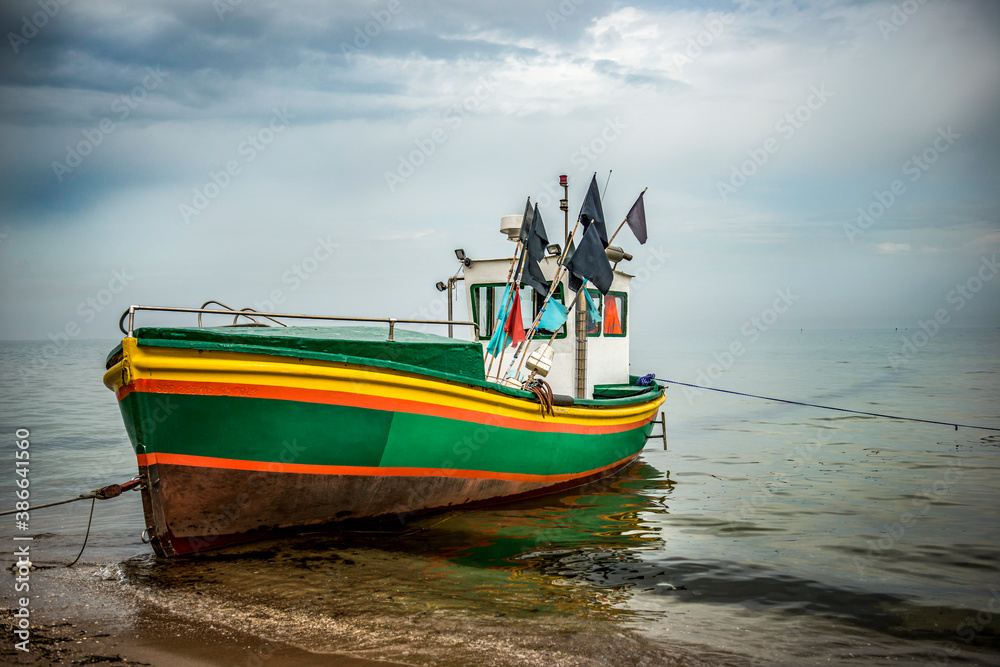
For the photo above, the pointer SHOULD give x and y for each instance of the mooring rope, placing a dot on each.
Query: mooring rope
(87, 536)
(647, 380)
(103, 493)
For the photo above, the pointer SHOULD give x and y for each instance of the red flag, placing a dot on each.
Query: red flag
(514, 326)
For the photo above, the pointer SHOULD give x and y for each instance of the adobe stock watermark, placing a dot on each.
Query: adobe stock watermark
(801, 453)
(969, 629)
(922, 503)
(565, 9)
(298, 273)
(246, 151)
(223, 7)
(241, 513)
(122, 107)
(656, 260)
(786, 127)
(372, 29)
(87, 311)
(596, 147)
(30, 27)
(957, 298)
(715, 25)
(899, 17)
(434, 309)
(454, 116)
(914, 168)
(751, 331)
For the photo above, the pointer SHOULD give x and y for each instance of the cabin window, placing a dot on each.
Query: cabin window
(613, 311)
(486, 300)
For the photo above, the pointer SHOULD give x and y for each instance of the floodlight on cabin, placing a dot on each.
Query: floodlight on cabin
(441, 286)
(554, 250)
(460, 254)
(616, 254)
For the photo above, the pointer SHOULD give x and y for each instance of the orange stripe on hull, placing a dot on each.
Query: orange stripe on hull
(370, 471)
(349, 399)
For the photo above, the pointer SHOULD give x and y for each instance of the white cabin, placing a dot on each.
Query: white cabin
(607, 353)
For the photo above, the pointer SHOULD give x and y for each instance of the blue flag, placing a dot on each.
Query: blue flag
(500, 339)
(592, 312)
(553, 317)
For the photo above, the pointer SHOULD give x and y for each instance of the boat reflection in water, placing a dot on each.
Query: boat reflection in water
(564, 552)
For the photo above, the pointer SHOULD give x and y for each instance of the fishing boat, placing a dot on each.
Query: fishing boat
(280, 421)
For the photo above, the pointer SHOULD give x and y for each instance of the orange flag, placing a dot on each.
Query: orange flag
(612, 325)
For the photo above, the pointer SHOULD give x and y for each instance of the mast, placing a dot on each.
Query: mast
(564, 207)
(581, 341)
(581, 346)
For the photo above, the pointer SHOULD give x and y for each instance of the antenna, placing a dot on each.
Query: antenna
(606, 184)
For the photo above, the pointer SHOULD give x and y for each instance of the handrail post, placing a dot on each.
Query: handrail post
(131, 320)
(392, 323)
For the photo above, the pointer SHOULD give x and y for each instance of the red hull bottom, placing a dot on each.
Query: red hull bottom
(192, 509)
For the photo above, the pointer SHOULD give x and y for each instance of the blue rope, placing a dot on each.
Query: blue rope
(651, 378)
(646, 380)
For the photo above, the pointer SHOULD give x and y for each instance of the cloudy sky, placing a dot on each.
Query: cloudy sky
(330, 156)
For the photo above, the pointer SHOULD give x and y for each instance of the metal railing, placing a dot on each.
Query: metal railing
(391, 321)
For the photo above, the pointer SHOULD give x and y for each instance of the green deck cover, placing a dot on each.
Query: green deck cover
(618, 390)
(411, 348)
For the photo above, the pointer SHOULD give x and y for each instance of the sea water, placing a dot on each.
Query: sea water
(783, 533)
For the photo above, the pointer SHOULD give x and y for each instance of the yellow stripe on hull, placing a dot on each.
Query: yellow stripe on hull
(187, 366)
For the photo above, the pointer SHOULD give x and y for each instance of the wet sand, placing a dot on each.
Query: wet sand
(79, 620)
(81, 617)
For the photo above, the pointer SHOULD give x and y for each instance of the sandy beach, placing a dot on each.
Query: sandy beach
(79, 620)
(81, 617)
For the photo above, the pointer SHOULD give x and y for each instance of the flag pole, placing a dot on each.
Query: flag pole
(514, 286)
(558, 279)
(510, 271)
(510, 274)
(617, 230)
(569, 309)
(518, 252)
(555, 281)
(534, 325)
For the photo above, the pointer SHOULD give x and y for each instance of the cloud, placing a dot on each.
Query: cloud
(892, 248)
(699, 89)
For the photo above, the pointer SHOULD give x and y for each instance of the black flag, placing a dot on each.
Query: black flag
(575, 281)
(636, 219)
(525, 221)
(535, 251)
(592, 213)
(590, 262)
